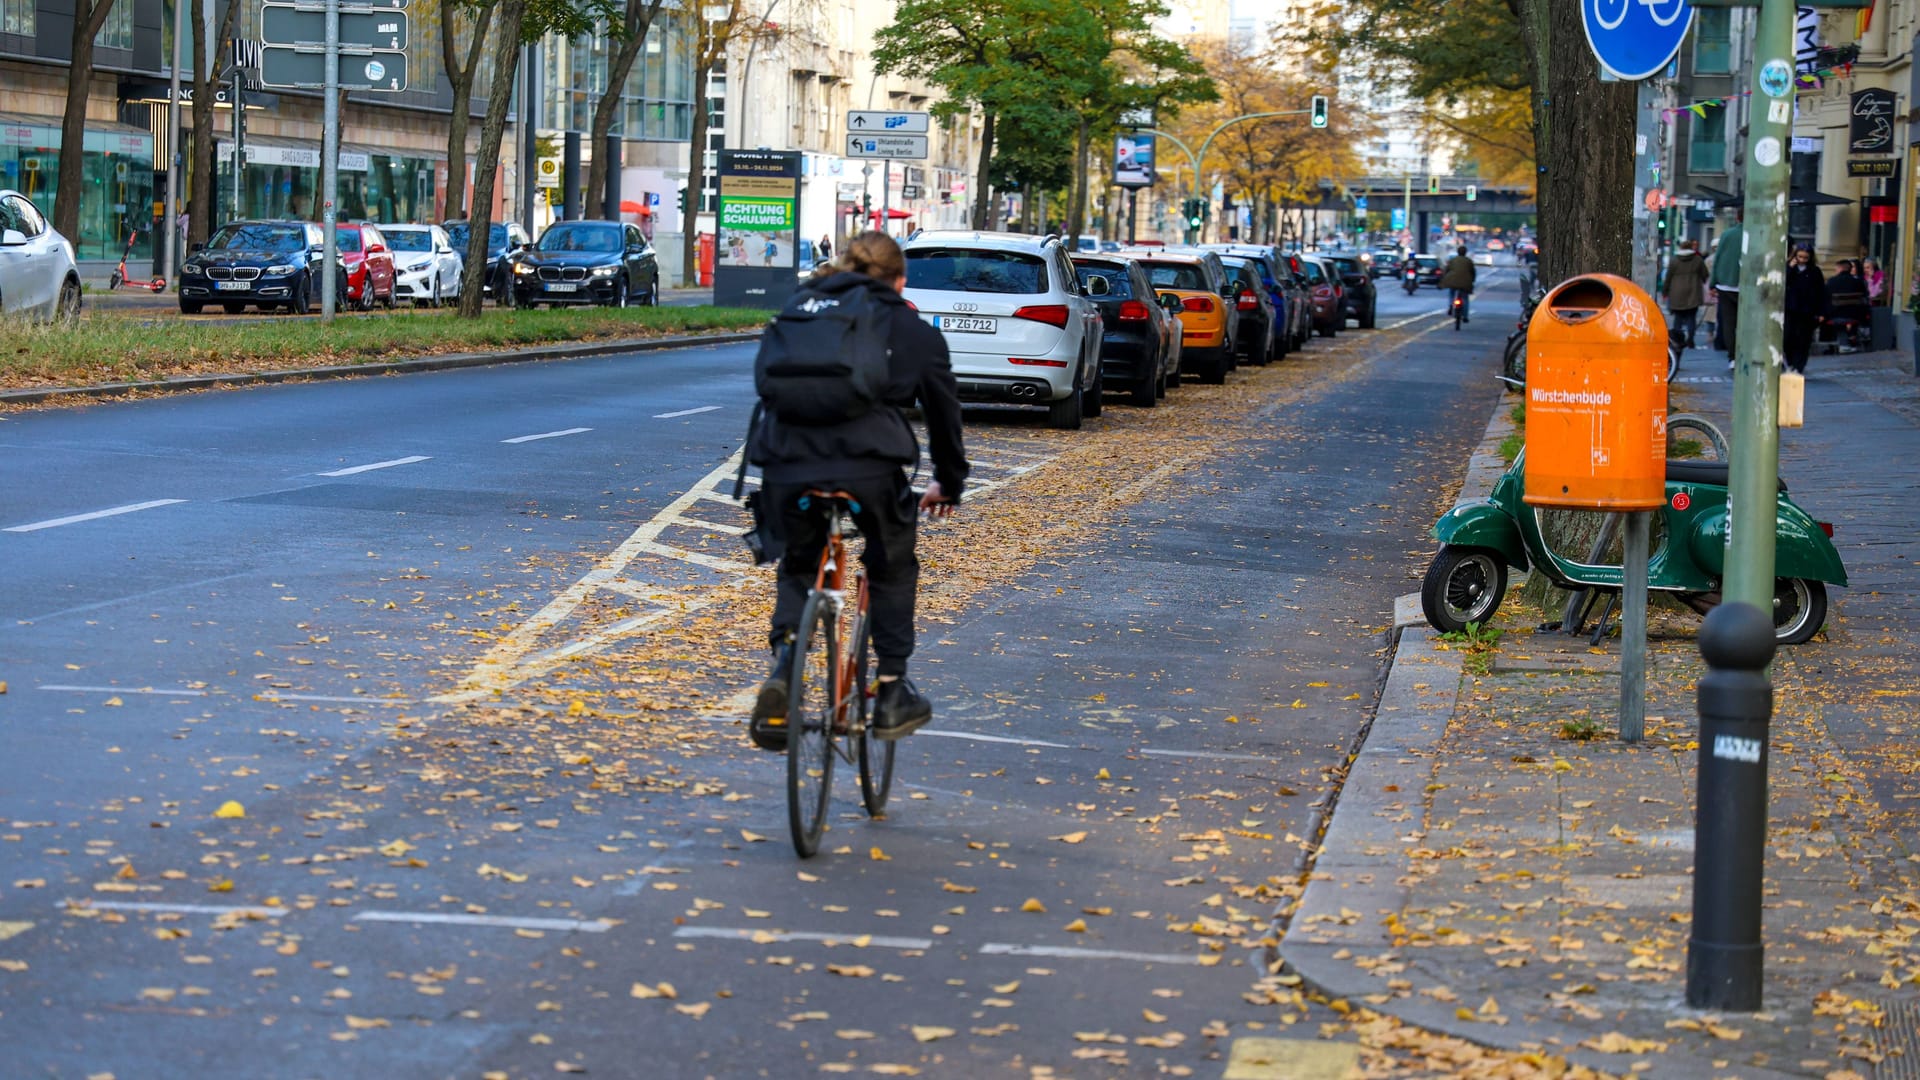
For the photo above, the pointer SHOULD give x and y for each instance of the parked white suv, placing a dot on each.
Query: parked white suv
(1016, 321)
(38, 277)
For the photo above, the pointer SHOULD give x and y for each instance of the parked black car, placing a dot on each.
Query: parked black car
(1140, 348)
(588, 262)
(1253, 306)
(268, 263)
(1360, 298)
(504, 241)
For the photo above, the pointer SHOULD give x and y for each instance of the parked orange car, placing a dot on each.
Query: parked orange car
(1206, 319)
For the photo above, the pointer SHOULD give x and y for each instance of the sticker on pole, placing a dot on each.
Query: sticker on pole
(1635, 38)
(376, 71)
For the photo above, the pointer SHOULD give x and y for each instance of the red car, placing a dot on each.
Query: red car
(369, 264)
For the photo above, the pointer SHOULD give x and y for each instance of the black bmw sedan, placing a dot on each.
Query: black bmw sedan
(588, 262)
(268, 263)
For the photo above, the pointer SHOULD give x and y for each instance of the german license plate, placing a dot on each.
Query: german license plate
(965, 324)
(235, 286)
(563, 286)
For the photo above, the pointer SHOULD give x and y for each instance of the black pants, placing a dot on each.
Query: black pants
(1727, 321)
(1684, 322)
(1798, 340)
(886, 519)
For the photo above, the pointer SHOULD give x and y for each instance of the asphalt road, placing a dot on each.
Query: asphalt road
(281, 597)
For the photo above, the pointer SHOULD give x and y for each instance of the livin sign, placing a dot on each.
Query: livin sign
(1871, 129)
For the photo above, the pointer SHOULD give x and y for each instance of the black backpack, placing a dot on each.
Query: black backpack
(823, 359)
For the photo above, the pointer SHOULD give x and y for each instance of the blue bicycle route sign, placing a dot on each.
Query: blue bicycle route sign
(1635, 38)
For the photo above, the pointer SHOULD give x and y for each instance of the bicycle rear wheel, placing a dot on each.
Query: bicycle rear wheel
(816, 655)
(876, 757)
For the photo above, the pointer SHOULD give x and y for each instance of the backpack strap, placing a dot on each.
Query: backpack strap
(740, 478)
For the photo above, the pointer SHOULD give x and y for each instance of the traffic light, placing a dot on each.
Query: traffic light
(1195, 211)
(1319, 110)
(683, 202)
(1473, 192)
(1433, 185)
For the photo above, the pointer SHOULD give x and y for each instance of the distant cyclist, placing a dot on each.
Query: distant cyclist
(1458, 279)
(867, 457)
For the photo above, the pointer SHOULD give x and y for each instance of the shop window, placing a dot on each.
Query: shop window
(1707, 142)
(17, 17)
(117, 31)
(1713, 41)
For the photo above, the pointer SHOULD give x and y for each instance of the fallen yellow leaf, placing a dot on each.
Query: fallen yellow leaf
(1034, 906)
(1069, 838)
(230, 809)
(927, 1034)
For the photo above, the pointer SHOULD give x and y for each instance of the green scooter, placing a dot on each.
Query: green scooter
(1481, 538)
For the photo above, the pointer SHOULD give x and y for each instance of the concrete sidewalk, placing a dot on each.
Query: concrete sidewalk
(1491, 874)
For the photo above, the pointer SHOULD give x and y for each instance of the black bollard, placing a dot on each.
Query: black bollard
(1725, 958)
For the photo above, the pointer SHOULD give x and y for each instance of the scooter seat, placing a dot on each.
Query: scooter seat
(1702, 472)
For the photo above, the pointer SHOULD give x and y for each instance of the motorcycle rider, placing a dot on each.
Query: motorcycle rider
(1458, 279)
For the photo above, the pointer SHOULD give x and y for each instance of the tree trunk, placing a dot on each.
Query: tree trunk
(639, 23)
(460, 77)
(1082, 178)
(696, 180)
(87, 22)
(202, 180)
(982, 198)
(506, 68)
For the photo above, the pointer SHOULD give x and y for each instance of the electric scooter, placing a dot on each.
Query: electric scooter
(1481, 538)
(120, 277)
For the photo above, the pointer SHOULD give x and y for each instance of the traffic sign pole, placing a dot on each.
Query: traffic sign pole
(330, 165)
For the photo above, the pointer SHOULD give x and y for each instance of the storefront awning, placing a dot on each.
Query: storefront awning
(1810, 197)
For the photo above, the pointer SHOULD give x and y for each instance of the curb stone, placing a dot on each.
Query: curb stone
(1362, 859)
(448, 362)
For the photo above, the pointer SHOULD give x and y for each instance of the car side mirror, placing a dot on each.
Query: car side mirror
(1170, 302)
(12, 238)
(1097, 286)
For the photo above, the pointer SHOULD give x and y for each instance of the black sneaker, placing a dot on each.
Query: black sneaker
(899, 710)
(767, 727)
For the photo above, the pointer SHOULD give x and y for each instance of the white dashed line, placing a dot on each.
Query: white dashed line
(116, 511)
(686, 412)
(1204, 754)
(1068, 952)
(585, 926)
(549, 435)
(378, 465)
(970, 736)
(258, 910)
(769, 936)
(395, 702)
(156, 692)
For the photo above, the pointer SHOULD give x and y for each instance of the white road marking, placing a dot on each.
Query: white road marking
(1206, 754)
(686, 412)
(512, 922)
(377, 465)
(116, 511)
(157, 692)
(971, 736)
(710, 526)
(549, 435)
(181, 909)
(743, 934)
(1068, 952)
(395, 702)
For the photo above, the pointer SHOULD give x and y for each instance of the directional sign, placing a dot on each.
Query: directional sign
(290, 24)
(896, 147)
(884, 123)
(911, 191)
(305, 67)
(1635, 38)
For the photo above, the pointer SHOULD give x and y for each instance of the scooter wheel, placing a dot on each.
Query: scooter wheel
(1799, 610)
(113, 280)
(1464, 585)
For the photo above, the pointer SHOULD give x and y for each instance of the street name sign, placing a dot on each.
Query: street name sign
(305, 67)
(298, 24)
(1635, 38)
(889, 147)
(862, 122)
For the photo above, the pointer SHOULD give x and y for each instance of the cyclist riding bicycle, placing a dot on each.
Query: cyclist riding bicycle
(866, 457)
(1458, 278)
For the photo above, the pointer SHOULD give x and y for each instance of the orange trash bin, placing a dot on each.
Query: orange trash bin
(1597, 397)
(706, 259)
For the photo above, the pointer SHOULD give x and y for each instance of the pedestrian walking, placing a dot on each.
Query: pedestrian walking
(1726, 283)
(826, 247)
(1806, 303)
(772, 252)
(1686, 287)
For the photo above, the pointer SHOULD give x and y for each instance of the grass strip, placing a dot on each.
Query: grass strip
(118, 348)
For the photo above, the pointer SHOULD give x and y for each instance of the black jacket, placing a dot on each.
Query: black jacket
(1806, 291)
(881, 441)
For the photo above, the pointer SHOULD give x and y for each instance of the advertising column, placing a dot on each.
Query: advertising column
(754, 264)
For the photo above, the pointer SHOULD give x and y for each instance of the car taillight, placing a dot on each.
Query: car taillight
(1826, 527)
(1133, 311)
(1321, 292)
(1052, 314)
(1247, 302)
(1197, 303)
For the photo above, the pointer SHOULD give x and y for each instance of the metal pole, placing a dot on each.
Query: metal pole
(330, 166)
(1406, 204)
(174, 240)
(1725, 957)
(886, 194)
(1133, 215)
(1755, 468)
(1646, 264)
(239, 143)
(530, 140)
(1633, 628)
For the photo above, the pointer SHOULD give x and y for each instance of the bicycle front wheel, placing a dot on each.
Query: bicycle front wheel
(810, 705)
(876, 757)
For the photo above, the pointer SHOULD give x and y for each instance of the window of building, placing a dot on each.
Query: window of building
(117, 31)
(17, 17)
(1713, 41)
(1707, 142)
